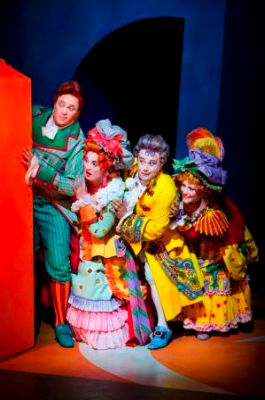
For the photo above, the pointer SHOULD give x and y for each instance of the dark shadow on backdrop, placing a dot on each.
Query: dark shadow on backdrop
(241, 118)
(132, 77)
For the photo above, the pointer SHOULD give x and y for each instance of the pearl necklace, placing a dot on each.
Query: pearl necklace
(184, 219)
(196, 214)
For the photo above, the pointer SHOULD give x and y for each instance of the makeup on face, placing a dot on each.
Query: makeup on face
(66, 110)
(190, 193)
(149, 165)
(93, 173)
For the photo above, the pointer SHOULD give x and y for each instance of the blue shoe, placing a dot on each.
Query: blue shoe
(64, 336)
(203, 336)
(160, 338)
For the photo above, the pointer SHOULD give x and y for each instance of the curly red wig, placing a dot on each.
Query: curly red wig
(104, 160)
(70, 87)
(190, 178)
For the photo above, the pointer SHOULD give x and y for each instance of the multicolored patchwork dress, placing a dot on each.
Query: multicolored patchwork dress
(224, 247)
(102, 300)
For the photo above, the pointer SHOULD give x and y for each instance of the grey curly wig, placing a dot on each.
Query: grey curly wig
(155, 143)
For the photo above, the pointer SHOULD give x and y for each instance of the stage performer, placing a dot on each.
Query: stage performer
(214, 230)
(52, 166)
(144, 219)
(106, 305)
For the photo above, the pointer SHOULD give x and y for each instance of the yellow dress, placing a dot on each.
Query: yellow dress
(146, 231)
(223, 259)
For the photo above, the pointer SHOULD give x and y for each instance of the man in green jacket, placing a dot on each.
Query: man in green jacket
(53, 164)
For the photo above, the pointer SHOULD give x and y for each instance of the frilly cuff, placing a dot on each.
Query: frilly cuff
(88, 214)
(84, 201)
(132, 229)
(113, 191)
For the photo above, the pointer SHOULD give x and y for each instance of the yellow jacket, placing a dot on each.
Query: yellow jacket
(154, 207)
(149, 225)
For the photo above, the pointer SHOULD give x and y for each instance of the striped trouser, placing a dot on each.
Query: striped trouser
(52, 232)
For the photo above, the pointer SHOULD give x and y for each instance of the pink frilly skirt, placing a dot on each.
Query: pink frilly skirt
(101, 324)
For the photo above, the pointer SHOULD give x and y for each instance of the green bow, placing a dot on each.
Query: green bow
(181, 164)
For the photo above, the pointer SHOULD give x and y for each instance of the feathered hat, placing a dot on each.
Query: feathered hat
(206, 153)
(113, 140)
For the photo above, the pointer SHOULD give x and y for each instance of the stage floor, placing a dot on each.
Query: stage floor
(219, 368)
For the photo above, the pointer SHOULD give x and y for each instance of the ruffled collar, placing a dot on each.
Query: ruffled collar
(50, 129)
(114, 189)
(205, 220)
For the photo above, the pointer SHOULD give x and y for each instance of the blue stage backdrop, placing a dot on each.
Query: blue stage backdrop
(163, 66)
(49, 40)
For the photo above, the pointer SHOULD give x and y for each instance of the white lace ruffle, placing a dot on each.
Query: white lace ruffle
(134, 190)
(104, 196)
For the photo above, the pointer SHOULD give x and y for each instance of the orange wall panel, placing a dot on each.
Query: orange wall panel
(16, 242)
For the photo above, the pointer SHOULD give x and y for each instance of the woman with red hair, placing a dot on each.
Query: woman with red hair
(101, 296)
(215, 231)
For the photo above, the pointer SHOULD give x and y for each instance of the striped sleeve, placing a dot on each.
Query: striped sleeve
(62, 182)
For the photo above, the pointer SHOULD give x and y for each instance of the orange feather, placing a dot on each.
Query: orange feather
(202, 139)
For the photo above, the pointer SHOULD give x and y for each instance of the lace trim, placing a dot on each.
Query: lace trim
(102, 197)
(94, 305)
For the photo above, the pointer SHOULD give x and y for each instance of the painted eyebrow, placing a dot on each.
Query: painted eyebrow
(189, 187)
(69, 105)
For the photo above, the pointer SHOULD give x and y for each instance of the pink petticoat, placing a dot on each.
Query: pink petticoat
(99, 330)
